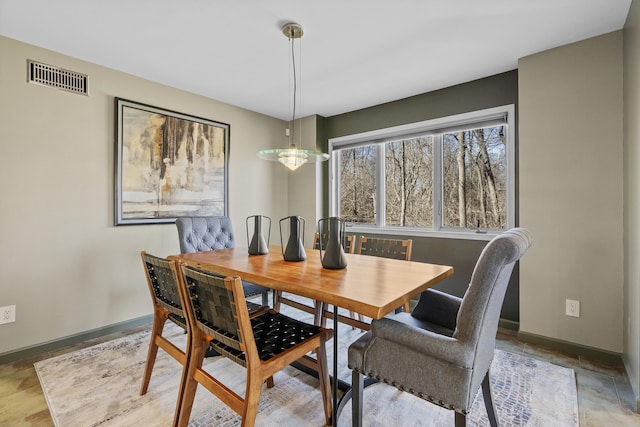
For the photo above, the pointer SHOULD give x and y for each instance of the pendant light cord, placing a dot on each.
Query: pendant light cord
(295, 89)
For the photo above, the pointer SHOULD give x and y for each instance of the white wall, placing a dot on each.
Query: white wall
(631, 318)
(64, 264)
(571, 180)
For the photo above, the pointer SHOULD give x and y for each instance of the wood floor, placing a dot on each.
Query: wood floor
(605, 397)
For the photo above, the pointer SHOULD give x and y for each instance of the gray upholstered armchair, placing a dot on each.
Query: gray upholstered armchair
(198, 234)
(442, 351)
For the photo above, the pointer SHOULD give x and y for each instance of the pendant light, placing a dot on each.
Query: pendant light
(292, 157)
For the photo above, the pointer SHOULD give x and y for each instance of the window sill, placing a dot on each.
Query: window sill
(417, 232)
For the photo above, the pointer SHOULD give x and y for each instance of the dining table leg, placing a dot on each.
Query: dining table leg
(334, 418)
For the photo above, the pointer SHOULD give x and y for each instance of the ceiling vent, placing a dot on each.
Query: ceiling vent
(48, 75)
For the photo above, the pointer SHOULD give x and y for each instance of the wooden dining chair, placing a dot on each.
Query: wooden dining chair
(264, 344)
(387, 248)
(162, 278)
(317, 307)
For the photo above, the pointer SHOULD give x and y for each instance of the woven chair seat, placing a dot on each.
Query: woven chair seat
(274, 333)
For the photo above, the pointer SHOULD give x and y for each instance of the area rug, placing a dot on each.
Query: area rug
(99, 386)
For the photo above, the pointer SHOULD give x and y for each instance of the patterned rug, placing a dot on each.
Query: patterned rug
(99, 386)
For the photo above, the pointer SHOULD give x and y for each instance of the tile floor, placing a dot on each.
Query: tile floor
(605, 397)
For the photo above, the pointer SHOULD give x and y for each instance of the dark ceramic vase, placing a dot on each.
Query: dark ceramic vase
(332, 256)
(257, 244)
(294, 250)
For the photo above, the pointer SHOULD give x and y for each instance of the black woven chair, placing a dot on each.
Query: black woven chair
(265, 343)
(162, 278)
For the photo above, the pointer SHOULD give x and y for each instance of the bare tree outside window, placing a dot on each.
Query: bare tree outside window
(474, 178)
(409, 182)
(358, 184)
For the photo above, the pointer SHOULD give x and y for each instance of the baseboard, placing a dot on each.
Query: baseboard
(577, 349)
(510, 325)
(557, 344)
(56, 344)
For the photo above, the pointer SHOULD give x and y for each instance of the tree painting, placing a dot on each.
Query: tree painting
(170, 165)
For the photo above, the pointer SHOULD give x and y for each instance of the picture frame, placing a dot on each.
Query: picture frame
(168, 165)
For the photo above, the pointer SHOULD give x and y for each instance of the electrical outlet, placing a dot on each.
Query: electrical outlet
(7, 314)
(573, 308)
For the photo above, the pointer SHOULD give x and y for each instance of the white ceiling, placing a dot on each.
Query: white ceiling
(355, 53)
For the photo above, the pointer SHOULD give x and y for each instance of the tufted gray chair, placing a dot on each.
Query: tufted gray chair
(442, 351)
(199, 234)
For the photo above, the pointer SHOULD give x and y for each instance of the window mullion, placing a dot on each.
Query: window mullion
(437, 182)
(381, 211)
(334, 183)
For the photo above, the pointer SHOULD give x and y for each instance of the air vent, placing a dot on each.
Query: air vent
(48, 75)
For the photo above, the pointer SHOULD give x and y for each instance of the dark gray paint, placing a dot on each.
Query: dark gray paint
(501, 89)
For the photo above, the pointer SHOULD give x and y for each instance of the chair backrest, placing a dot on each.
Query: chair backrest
(385, 248)
(163, 283)
(219, 309)
(479, 313)
(205, 233)
(349, 242)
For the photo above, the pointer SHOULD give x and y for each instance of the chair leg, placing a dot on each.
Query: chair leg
(317, 315)
(320, 312)
(199, 347)
(251, 400)
(265, 298)
(325, 384)
(407, 307)
(353, 316)
(488, 401)
(460, 420)
(183, 380)
(159, 319)
(357, 384)
(276, 300)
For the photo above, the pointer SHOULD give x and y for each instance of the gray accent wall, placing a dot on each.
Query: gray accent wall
(501, 89)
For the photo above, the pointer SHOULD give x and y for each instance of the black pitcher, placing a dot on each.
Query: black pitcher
(295, 247)
(333, 256)
(257, 245)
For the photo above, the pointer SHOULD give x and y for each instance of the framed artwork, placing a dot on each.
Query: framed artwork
(168, 165)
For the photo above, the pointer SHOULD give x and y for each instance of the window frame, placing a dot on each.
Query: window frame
(504, 115)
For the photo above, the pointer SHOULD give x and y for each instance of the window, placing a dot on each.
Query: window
(452, 175)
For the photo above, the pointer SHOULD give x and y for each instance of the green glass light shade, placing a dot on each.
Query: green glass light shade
(292, 157)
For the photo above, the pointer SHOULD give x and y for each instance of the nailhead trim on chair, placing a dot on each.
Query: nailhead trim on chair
(421, 395)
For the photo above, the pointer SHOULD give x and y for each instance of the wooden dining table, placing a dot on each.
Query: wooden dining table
(369, 285)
